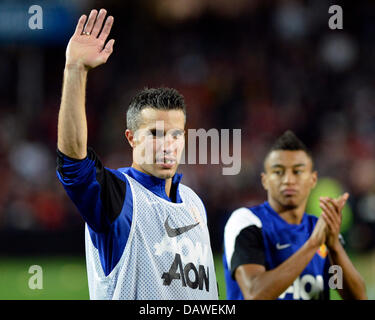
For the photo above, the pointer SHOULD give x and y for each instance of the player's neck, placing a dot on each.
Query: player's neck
(293, 216)
(168, 182)
(290, 215)
(168, 186)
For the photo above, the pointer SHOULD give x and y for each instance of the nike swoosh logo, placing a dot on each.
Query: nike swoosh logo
(282, 246)
(174, 232)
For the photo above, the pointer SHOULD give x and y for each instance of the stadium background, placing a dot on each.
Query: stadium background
(260, 65)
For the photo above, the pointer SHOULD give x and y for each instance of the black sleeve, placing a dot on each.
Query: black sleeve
(113, 189)
(248, 249)
(98, 192)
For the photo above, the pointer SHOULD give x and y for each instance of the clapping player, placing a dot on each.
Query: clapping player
(277, 251)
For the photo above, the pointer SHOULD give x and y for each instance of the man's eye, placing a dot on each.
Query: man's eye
(177, 134)
(278, 172)
(157, 133)
(297, 172)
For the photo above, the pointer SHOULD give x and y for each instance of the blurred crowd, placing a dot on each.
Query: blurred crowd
(262, 67)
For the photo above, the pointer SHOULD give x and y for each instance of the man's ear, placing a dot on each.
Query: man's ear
(130, 137)
(314, 177)
(264, 180)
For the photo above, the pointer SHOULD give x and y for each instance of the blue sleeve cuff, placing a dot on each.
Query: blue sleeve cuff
(74, 171)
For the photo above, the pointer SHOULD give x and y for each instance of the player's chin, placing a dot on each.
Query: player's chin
(290, 202)
(163, 172)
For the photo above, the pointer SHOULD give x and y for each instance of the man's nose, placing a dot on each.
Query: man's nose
(289, 177)
(167, 144)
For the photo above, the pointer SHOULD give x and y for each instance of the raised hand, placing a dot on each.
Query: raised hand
(87, 46)
(332, 215)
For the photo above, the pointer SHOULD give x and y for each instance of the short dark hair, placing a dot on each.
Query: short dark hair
(156, 98)
(290, 142)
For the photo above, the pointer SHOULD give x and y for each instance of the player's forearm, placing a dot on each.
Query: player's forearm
(353, 284)
(72, 123)
(271, 284)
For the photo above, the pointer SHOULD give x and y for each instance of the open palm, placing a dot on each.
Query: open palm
(87, 45)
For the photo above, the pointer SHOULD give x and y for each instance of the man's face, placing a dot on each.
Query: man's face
(288, 178)
(158, 142)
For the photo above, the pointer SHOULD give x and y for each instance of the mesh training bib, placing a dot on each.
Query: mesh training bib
(167, 256)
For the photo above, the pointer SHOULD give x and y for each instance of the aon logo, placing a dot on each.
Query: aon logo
(190, 275)
(306, 287)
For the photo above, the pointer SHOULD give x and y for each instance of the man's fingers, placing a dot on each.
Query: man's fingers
(108, 49)
(337, 203)
(80, 24)
(330, 203)
(329, 217)
(326, 207)
(90, 21)
(328, 221)
(331, 212)
(106, 29)
(99, 22)
(343, 199)
(109, 46)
